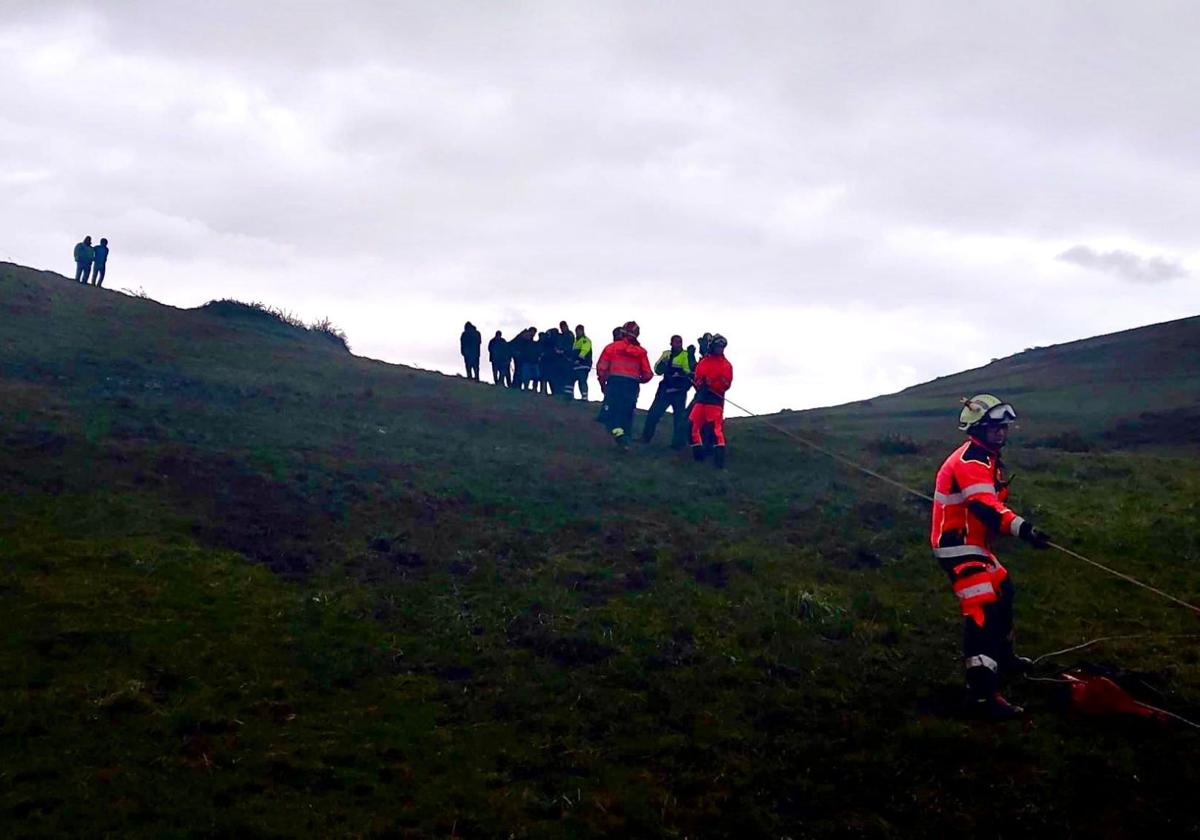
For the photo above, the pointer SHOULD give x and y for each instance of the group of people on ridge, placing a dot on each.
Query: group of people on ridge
(553, 362)
(91, 261)
(558, 361)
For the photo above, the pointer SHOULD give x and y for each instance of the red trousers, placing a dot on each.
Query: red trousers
(704, 414)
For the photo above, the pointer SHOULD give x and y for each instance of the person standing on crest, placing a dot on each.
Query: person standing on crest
(675, 368)
(84, 254)
(469, 343)
(714, 376)
(622, 369)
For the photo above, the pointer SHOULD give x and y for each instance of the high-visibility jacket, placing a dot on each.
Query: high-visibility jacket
(969, 504)
(675, 370)
(583, 353)
(714, 375)
(969, 509)
(625, 358)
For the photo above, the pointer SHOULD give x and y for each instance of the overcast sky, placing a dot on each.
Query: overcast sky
(861, 196)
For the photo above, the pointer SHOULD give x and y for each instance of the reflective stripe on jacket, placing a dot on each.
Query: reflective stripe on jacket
(625, 358)
(972, 477)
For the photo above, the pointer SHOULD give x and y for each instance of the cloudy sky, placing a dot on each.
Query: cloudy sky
(861, 196)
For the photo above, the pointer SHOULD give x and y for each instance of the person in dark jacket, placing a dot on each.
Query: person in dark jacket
(675, 368)
(99, 261)
(499, 356)
(469, 343)
(84, 254)
(530, 372)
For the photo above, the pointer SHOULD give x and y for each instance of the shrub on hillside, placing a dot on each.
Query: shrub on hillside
(325, 327)
(256, 310)
(1070, 441)
(894, 444)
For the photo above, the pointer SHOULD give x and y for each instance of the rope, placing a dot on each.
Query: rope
(867, 471)
(1091, 642)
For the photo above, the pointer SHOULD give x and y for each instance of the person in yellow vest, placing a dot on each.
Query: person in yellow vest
(582, 363)
(675, 368)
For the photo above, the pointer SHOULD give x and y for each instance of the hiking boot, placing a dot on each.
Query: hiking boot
(1016, 665)
(995, 707)
(719, 457)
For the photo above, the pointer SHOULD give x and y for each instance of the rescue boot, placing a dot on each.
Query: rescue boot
(994, 707)
(1014, 665)
(719, 457)
(698, 452)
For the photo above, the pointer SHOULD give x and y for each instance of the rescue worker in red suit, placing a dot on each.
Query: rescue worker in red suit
(622, 369)
(969, 510)
(714, 375)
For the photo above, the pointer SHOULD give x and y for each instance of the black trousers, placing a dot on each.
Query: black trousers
(988, 648)
(677, 402)
(472, 365)
(621, 396)
(501, 374)
(580, 378)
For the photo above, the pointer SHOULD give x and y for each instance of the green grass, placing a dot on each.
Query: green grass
(255, 586)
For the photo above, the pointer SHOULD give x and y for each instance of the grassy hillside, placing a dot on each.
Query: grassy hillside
(1133, 388)
(255, 586)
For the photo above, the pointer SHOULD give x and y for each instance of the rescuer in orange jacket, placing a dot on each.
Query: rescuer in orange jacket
(969, 510)
(622, 369)
(714, 375)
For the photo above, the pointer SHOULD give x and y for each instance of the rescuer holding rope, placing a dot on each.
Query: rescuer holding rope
(968, 511)
(714, 376)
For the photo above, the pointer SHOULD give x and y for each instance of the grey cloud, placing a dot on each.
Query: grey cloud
(1124, 264)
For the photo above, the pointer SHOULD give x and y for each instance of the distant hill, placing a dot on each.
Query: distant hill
(1139, 386)
(253, 585)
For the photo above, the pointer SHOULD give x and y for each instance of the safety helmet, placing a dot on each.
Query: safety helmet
(631, 329)
(985, 410)
(718, 343)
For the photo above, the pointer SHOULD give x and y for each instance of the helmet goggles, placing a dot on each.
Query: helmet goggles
(1003, 413)
(985, 410)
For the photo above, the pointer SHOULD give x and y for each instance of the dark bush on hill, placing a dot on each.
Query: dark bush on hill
(326, 328)
(271, 315)
(1181, 425)
(895, 445)
(1066, 441)
(255, 310)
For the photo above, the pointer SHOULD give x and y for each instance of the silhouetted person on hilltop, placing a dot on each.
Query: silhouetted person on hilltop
(498, 355)
(524, 353)
(547, 343)
(469, 343)
(84, 254)
(99, 260)
(561, 360)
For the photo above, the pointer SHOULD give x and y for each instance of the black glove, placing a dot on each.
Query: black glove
(1036, 538)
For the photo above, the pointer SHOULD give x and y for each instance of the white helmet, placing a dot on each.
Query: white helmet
(985, 410)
